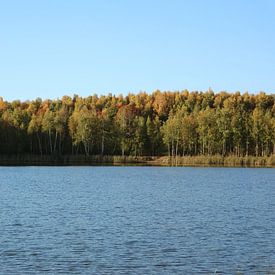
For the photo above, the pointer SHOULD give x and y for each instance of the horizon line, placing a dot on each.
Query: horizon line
(74, 94)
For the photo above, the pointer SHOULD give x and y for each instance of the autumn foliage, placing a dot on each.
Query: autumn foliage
(174, 123)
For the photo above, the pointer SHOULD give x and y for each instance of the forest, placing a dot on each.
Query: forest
(179, 123)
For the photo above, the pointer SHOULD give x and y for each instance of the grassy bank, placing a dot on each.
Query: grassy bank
(217, 160)
(229, 161)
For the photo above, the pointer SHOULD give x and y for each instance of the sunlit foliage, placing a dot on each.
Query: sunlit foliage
(173, 123)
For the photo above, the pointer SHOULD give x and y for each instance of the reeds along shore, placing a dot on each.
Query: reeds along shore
(78, 160)
(217, 160)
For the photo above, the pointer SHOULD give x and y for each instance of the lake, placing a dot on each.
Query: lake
(137, 220)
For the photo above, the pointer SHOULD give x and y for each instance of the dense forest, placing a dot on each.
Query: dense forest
(173, 123)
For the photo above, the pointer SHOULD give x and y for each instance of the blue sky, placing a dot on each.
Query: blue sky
(51, 48)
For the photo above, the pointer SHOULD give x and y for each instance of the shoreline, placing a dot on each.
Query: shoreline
(96, 160)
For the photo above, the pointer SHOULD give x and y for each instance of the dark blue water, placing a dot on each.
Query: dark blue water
(137, 220)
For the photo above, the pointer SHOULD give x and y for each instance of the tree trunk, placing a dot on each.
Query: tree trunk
(86, 148)
(102, 145)
(50, 142)
(31, 145)
(122, 149)
(39, 144)
(55, 141)
(59, 146)
(223, 147)
(177, 145)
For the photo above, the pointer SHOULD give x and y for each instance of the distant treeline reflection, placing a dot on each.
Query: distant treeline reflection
(173, 123)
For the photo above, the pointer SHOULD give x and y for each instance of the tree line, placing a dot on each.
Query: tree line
(174, 123)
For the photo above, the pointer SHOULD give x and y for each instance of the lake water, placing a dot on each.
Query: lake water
(137, 220)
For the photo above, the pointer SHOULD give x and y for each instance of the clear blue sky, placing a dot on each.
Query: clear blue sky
(50, 48)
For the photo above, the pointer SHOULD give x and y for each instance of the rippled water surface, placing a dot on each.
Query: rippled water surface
(137, 220)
